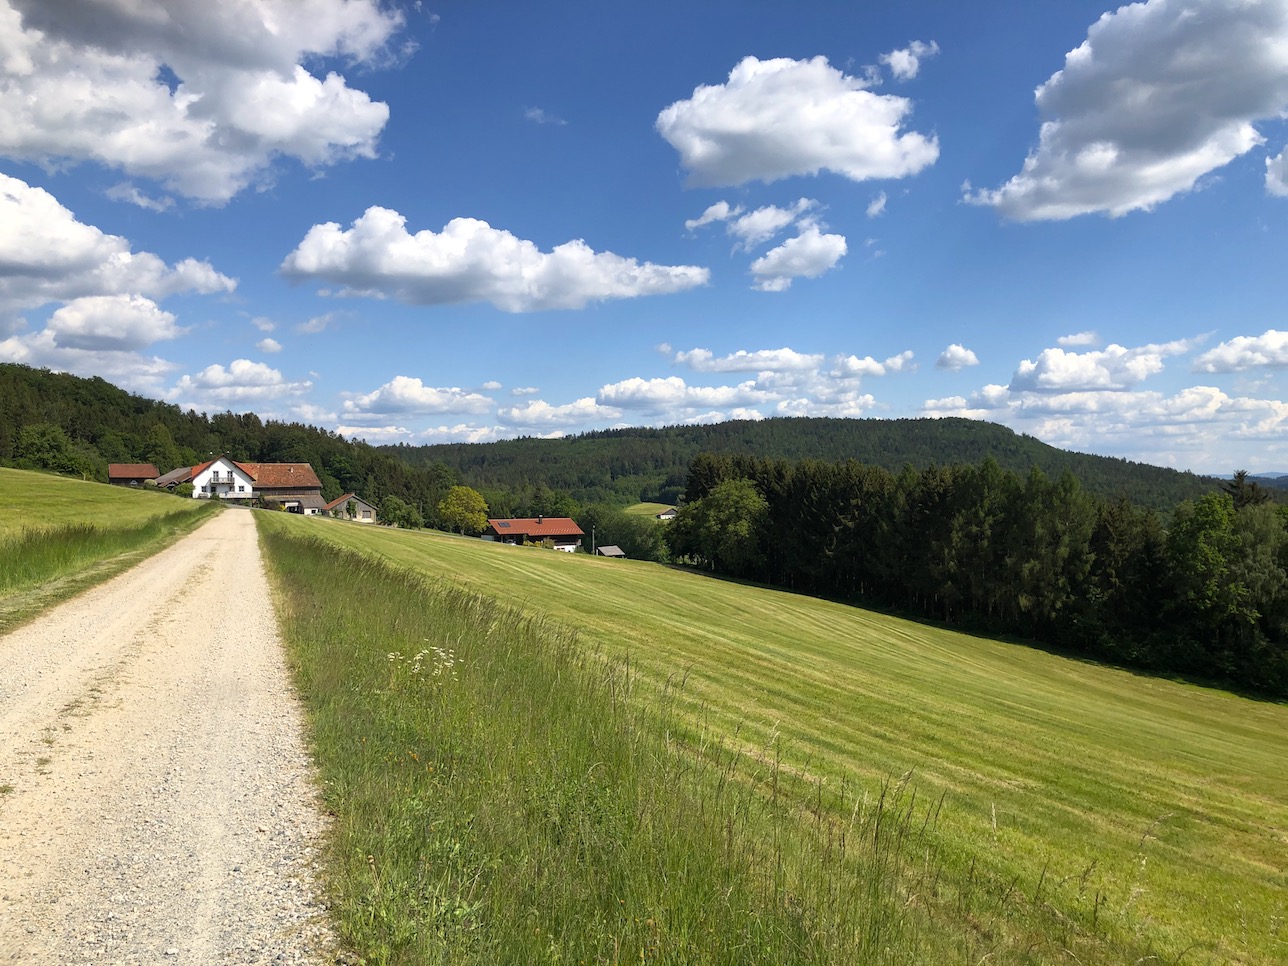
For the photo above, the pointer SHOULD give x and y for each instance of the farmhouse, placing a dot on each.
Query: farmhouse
(667, 514)
(562, 532)
(293, 485)
(130, 474)
(352, 507)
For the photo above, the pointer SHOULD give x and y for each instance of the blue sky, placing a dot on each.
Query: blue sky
(466, 221)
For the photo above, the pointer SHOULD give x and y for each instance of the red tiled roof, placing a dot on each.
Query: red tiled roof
(278, 476)
(117, 471)
(244, 467)
(340, 499)
(536, 527)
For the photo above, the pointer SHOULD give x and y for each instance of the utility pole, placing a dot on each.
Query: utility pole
(592, 540)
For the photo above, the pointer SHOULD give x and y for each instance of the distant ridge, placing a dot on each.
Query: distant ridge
(629, 465)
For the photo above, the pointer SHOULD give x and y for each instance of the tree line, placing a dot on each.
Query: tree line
(1201, 592)
(624, 466)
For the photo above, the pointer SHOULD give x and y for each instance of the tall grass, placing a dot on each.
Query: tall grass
(503, 796)
(35, 555)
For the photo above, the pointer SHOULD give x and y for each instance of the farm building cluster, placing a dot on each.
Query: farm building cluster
(296, 488)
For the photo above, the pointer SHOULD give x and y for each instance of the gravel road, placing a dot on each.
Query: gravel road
(157, 803)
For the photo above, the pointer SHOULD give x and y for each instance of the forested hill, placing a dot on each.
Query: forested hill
(55, 421)
(628, 465)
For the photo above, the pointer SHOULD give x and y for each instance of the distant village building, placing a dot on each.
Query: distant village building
(667, 514)
(362, 511)
(562, 532)
(294, 485)
(131, 474)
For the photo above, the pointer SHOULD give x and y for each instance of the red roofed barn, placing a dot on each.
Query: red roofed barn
(130, 474)
(562, 532)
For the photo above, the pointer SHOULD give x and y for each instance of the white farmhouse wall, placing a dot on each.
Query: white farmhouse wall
(242, 486)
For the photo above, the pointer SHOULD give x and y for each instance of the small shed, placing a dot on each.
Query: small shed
(361, 512)
(667, 514)
(611, 551)
(131, 474)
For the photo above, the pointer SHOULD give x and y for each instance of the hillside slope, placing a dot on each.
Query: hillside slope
(1131, 809)
(629, 465)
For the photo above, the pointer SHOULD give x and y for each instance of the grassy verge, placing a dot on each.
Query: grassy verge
(71, 535)
(1081, 803)
(502, 795)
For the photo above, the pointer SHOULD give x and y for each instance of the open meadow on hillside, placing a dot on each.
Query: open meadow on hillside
(59, 535)
(647, 509)
(1150, 814)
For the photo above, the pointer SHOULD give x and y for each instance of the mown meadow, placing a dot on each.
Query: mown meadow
(1062, 811)
(60, 535)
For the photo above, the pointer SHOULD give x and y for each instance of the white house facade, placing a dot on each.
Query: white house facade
(222, 479)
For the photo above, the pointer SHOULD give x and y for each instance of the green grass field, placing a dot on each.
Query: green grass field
(40, 501)
(647, 509)
(60, 535)
(1151, 813)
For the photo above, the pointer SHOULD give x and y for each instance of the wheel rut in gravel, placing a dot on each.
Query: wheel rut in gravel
(157, 799)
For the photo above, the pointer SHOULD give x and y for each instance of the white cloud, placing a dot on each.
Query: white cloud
(243, 382)
(849, 405)
(1159, 94)
(319, 323)
(720, 211)
(1079, 339)
(49, 256)
(1114, 367)
(905, 64)
(1266, 351)
(462, 433)
(313, 414)
(764, 223)
(125, 368)
(877, 206)
(406, 394)
(955, 358)
(1277, 174)
(113, 322)
(703, 360)
(777, 118)
(469, 261)
(490, 386)
(130, 194)
(541, 413)
(673, 394)
(524, 391)
(377, 435)
(268, 345)
(901, 362)
(853, 367)
(808, 255)
(263, 324)
(200, 96)
(538, 116)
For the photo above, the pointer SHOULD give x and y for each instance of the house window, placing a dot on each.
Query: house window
(366, 514)
(241, 489)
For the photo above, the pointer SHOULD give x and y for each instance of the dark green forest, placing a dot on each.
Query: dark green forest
(78, 426)
(624, 466)
(1201, 591)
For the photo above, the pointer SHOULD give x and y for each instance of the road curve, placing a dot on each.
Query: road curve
(157, 802)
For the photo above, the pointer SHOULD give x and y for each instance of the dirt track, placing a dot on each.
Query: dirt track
(160, 804)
